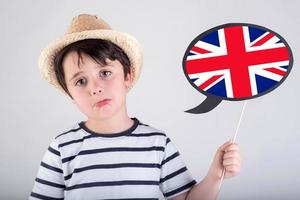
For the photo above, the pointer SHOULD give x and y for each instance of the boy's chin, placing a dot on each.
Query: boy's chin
(102, 115)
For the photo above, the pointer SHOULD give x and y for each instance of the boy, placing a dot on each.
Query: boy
(112, 156)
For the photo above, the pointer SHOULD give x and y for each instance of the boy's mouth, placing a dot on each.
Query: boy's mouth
(102, 103)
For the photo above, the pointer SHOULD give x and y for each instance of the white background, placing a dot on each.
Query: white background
(32, 112)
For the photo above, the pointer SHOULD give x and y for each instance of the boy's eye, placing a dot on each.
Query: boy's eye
(80, 82)
(105, 73)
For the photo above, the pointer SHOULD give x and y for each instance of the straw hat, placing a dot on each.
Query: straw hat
(86, 26)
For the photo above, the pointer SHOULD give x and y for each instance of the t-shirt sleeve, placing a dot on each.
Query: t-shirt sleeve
(175, 177)
(49, 182)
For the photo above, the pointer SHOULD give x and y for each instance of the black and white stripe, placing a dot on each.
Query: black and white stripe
(136, 164)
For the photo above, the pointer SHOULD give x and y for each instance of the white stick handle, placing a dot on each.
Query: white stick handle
(233, 140)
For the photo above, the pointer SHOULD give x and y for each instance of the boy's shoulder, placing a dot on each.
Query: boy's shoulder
(72, 132)
(150, 130)
(142, 127)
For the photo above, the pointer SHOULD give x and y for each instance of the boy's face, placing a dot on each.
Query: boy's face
(98, 91)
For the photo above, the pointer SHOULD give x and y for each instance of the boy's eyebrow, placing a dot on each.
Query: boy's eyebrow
(75, 75)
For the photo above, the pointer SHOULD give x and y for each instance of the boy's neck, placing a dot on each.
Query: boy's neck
(115, 124)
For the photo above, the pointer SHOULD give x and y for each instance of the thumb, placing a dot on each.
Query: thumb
(222, 148)
(216, 167)
(220, 153)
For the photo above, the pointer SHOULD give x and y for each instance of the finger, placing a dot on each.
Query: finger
(233, 169)
(231, 161)
(232, 147)
(230, 174)
(224, 146)
(232, 154)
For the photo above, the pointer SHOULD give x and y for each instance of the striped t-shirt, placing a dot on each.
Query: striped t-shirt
(138, 163)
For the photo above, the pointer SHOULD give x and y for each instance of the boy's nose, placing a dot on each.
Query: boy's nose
(96, 92)
(96, 88)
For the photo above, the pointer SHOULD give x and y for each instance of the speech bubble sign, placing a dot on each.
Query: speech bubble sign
(236, 61)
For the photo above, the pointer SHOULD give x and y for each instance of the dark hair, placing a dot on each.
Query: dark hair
(98, 49)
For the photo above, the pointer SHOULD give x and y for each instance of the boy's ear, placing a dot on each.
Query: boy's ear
(129, 80)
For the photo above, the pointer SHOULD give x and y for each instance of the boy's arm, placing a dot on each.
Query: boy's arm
(206, 190)
(227, 156)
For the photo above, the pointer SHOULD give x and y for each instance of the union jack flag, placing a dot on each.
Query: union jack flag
(237, 61)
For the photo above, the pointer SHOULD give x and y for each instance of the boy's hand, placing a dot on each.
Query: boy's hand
(228, 156)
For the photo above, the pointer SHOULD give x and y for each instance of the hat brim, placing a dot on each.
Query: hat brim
(125, 41)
